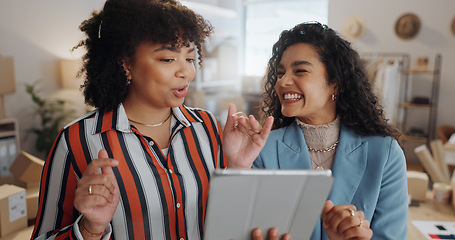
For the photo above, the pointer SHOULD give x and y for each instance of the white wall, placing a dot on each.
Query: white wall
(37, 34)
(434, 36)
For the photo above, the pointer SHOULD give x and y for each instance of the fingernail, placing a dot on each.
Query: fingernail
(115, 162)
(274, 233)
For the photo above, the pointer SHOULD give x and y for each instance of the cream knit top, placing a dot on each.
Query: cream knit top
(319, 138)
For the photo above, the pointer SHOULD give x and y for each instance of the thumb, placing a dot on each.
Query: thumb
(102, 154)
(327, 207)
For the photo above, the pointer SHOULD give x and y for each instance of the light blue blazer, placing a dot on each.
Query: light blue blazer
(369, 172)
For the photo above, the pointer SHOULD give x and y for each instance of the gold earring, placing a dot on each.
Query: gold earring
(334, 97)
(128, 79)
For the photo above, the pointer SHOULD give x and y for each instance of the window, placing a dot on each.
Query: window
(264, 21)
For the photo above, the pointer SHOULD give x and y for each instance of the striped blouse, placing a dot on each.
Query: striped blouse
(162, 196)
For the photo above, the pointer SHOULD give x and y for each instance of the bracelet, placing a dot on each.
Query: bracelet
(86, 232)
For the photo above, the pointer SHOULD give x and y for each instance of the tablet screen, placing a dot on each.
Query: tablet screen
(241, 200)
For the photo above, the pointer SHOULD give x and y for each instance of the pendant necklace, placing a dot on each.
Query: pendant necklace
(152, 125)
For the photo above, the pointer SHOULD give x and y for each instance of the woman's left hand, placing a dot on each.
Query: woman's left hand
(243, 138)
(345, 222)
(272, 234)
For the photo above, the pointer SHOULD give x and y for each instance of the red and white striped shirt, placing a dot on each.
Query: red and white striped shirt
(162, 196)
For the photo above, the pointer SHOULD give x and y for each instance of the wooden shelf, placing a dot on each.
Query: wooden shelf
(218, 83)
(410, 71)
(430, 106)
(413, 138)
(414, 105)
(7, 134)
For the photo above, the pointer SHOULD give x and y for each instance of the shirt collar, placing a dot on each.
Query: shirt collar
(117, 119)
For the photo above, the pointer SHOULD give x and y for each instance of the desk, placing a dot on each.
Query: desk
(428, 211)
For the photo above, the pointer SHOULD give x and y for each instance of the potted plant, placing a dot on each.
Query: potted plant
(52, 116)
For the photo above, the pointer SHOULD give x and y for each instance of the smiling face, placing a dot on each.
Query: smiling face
(302, 86)
(160, 75)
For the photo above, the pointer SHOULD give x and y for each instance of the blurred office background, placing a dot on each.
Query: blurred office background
(38, 37)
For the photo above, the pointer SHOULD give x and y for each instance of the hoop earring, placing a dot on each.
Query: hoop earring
(334, 97)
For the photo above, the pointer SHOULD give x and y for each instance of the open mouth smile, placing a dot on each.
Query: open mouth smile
(292, 96)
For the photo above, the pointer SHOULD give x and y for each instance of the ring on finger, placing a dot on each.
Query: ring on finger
(361, 222)
(351, 211)
(90, 191)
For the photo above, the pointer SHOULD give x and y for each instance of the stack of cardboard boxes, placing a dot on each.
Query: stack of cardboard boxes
(19, 195)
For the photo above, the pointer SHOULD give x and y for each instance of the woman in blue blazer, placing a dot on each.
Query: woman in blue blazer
(327, 117)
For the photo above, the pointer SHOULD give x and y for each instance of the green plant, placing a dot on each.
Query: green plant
(52, 116)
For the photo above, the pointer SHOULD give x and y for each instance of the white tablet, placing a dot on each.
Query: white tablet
(241, 200)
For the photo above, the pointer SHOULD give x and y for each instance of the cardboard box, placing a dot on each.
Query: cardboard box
(417, 185)
(27, 168)
(7, 75)
(14, 181)
(13, 209)
(22, 234)
(452, 185)
(32, 196)
(31, 192)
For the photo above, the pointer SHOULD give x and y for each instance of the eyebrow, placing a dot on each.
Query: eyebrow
(173, 49)
(297, 63)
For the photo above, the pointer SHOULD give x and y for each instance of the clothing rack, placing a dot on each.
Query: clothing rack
(413, 103)
(373, 60)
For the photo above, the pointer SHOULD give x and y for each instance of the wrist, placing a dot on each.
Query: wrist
(89, 230)
(236, 166)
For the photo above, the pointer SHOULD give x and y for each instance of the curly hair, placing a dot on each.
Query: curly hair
(114, 33)
(356, 104)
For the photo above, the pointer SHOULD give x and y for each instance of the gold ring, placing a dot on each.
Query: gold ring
(90, 192)
(351, 211)
(361, 222)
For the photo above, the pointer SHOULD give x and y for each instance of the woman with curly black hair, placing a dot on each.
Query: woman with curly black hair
(138, 167)
(327, 117)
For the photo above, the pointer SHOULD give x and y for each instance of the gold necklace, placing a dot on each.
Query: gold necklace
(152, 125)
(327, 149)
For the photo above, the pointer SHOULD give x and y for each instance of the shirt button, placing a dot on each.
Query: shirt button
(151, 143)
(178, 205)
(170, 170)
(182, 239)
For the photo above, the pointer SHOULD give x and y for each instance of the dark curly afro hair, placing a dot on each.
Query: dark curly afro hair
(114, 33)
(356, 104)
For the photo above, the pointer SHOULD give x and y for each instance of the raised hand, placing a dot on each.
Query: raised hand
(97, 194)
(345, 222)
(243, 138)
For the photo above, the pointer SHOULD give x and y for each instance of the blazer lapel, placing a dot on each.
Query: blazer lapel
(292, 150)
(348, 167)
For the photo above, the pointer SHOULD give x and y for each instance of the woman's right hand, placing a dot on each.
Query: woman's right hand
(97, 194)
(243, 138)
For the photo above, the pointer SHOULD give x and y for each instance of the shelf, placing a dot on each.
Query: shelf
(431, 94)
(209, 9)
(7, 134)
(429, 72)
(218, 83)
(413, 139)
(414, 105)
